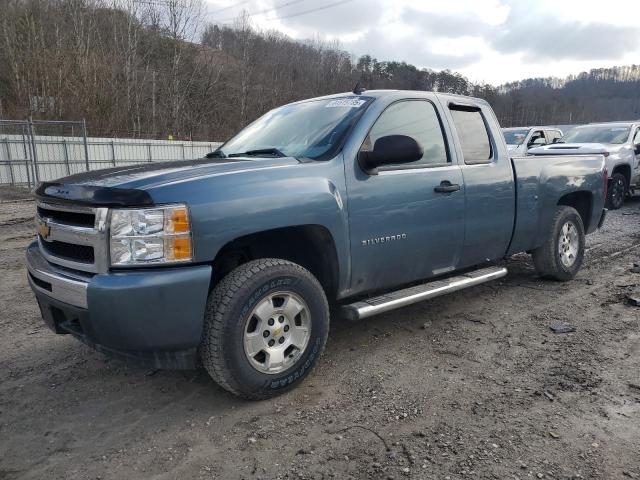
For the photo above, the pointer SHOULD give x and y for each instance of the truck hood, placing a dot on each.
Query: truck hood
(575, 149)
(124, 186)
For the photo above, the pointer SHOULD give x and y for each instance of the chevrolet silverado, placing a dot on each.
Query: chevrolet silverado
(365, 202)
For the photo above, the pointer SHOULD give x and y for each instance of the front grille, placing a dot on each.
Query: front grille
(74, 236)
(69, 251)
(81, 219)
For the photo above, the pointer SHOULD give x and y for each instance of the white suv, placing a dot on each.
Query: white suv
(619, 142)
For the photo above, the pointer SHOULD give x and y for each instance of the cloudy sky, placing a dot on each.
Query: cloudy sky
(494, 41)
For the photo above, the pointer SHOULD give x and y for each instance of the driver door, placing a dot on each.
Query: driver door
(404, 225)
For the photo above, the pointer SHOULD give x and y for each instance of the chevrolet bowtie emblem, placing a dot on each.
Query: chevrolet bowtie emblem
(43, 229)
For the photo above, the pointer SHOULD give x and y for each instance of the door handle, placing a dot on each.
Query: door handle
(446, 187)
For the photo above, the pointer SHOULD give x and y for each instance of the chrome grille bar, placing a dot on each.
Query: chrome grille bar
(56, 230)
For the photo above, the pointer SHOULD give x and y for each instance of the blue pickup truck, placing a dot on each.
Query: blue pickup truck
(354, 204)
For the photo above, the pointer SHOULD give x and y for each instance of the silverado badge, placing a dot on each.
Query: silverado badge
(386, 239)
(43, 229)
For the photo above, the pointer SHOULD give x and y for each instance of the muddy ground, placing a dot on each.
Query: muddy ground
(472, 385)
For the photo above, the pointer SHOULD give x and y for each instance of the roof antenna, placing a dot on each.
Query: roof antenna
(358, 89)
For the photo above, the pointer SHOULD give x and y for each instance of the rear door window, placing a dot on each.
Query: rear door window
(473, 135)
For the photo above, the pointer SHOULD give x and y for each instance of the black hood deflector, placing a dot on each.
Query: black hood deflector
(93, 195)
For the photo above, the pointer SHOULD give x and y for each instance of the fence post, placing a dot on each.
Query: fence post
(66, 156)
(149, 151)
(9, 161)
(113, 152)
(27, 165)
(183, 154)
(86, 148)
(34, 157)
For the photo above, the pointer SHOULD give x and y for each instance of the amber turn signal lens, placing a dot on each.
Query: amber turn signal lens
(179, 248)
(180, 220)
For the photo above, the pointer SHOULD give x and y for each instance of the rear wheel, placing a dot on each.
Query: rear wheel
(616, 191)
(560, 256)
(266, 324)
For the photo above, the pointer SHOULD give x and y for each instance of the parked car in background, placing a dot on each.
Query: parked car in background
(619, 142)
(366, 201)
(521, 139)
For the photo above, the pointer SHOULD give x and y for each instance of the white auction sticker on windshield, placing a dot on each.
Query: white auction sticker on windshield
(352, 102)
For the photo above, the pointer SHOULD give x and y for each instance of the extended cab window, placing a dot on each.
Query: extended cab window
(473, 135)
(417, 119)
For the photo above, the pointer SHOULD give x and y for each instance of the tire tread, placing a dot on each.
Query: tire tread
(544, 257)
(212, 351)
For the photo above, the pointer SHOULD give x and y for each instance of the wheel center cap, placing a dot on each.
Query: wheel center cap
(277, 331)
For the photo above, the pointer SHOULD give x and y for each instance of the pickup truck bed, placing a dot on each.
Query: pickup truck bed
(544, 180)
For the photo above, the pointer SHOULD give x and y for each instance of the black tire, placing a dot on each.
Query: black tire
(548, 259)
(229, 306)
(616, 192)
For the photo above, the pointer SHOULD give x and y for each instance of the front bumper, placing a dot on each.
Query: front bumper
(155, 315)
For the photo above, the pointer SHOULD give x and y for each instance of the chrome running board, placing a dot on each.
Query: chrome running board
(401, 298)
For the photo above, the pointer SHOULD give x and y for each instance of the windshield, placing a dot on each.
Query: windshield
(312, 129)
(515, 137)
(597, 134)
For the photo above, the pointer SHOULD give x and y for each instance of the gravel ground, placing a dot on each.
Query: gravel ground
(471, 385)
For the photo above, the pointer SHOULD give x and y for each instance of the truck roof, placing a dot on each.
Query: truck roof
(541, 127)
(399, 93)
(629, 123)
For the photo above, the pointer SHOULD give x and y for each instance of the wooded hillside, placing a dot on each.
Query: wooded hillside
(154, 68)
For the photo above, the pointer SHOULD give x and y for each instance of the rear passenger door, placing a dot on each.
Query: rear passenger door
(489, 184)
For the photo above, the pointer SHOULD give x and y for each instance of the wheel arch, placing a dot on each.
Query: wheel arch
(582, 201)
(623, 169)
(310, 246)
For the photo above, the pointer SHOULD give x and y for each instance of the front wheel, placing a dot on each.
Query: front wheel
(266, 324)
(616, 191)
(560, 256)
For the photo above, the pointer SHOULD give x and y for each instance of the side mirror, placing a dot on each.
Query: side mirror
(555, 140)
(390, 150)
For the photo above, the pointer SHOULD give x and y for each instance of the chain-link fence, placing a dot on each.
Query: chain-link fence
(16, 165)
(32, 151)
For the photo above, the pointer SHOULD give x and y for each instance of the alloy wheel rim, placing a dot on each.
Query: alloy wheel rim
(277, 332)
(569, 244)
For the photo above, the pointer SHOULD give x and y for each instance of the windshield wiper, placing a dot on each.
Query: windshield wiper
(216, 154)
(261, 152)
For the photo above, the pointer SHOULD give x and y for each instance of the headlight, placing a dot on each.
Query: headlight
(150, 235)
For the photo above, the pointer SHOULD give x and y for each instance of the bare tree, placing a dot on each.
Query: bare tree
(154, 68)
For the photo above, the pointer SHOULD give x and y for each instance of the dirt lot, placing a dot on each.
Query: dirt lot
(472, 385)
